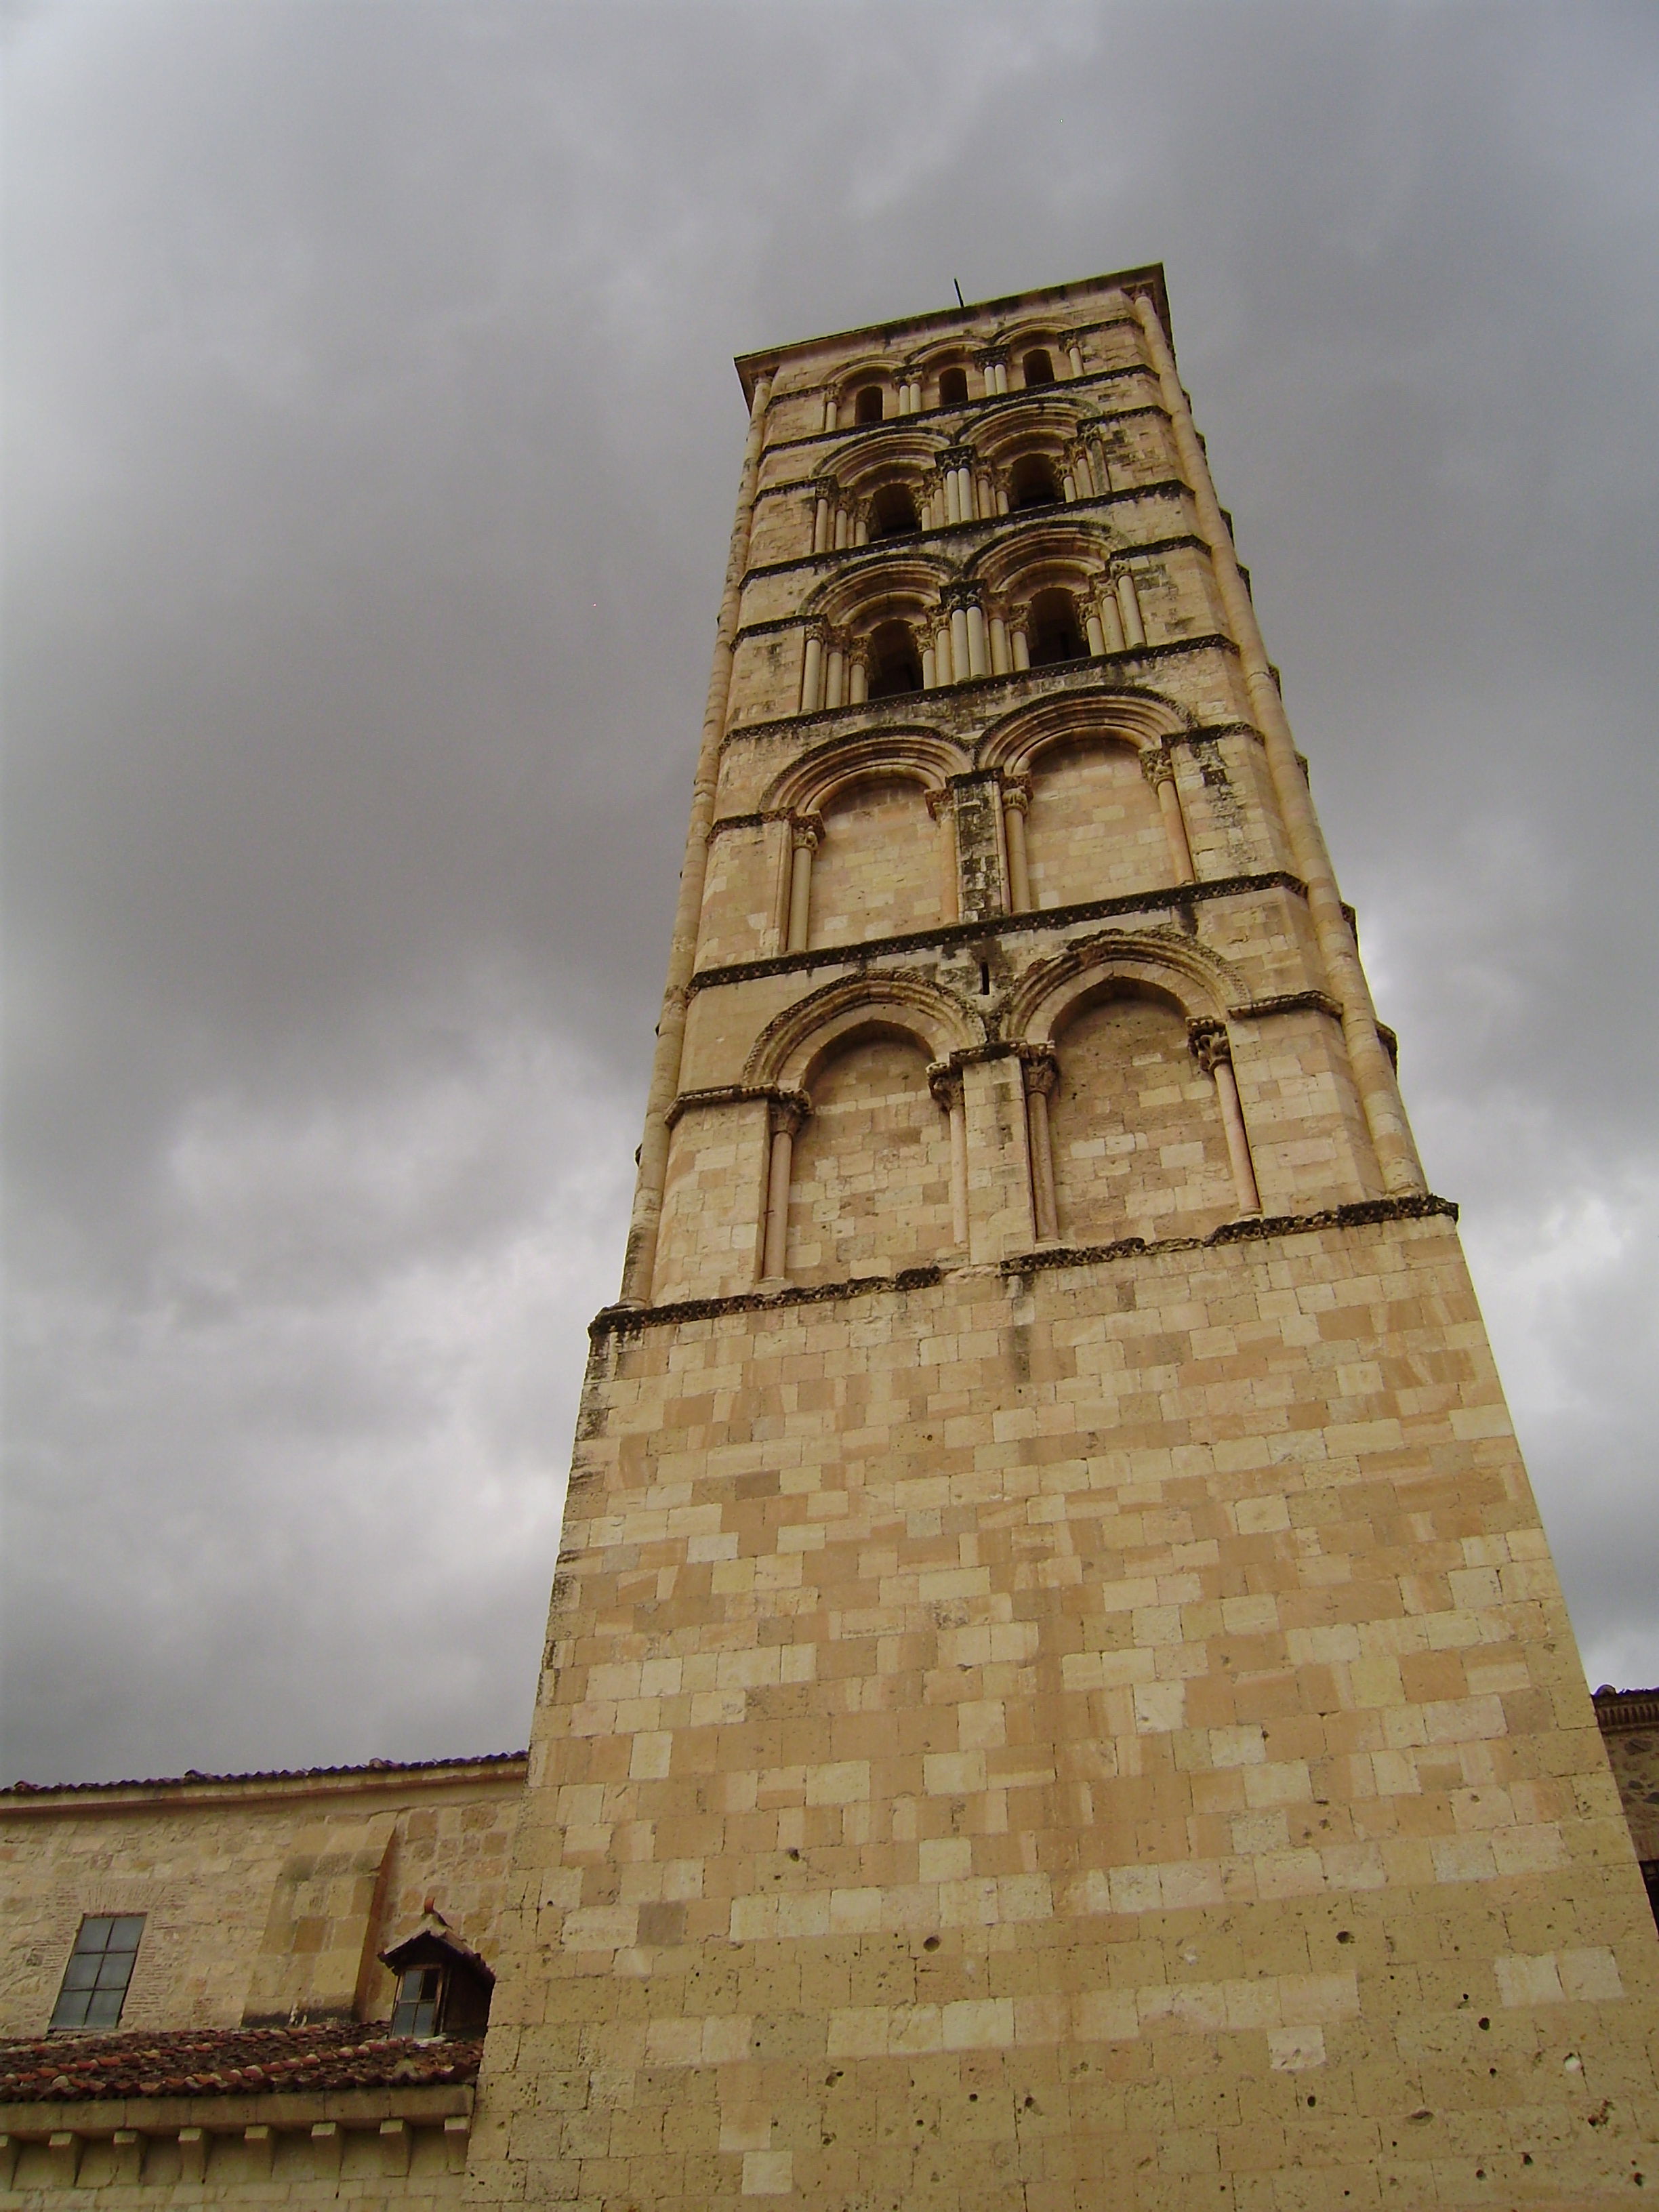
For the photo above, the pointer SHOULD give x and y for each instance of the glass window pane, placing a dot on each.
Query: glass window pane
(70, 2010)
(81, 1973)
(125, 1933)
(115, 1970)
(94, 1935)
(425, 2014)
(104, 2008)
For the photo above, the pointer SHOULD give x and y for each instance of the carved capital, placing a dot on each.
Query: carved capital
(961, 595)
(1016, 795)
(786, 1115)
(1157, 767)
(1209, 1043)
(941, 802)
(1041, 1073)
(945, 1084)
(806, 833)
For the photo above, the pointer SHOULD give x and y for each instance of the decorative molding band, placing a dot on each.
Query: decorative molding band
(1362, 1213)
(1625, 1709)
(1287, 1002)
(734, 1094)
(756, 821)
(859, 955)
(906, 702)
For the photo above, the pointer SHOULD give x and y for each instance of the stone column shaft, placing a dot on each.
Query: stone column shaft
(1016, 798)
(811, 674)
(800, 887)
(1040, 1077)
(778, 1169)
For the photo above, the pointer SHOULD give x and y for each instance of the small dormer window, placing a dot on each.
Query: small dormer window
(443, 1989)
(420, 2000)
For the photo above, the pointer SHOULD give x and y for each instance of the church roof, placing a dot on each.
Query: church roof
(374, 1770)
(228, 2061)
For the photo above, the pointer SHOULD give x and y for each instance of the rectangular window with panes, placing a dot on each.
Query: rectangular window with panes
(100, 1968)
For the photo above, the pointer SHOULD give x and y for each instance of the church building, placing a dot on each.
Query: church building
(1056, 1697)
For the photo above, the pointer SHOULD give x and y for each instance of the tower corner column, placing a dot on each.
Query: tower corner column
(1373, 1071)
(642, 1253)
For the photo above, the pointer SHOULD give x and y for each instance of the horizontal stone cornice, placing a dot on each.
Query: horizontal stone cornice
(906, 705)
(870, 949)
(632, 1320)
(284, 2110)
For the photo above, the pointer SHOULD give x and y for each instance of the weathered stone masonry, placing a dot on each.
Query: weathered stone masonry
(1056, 1694)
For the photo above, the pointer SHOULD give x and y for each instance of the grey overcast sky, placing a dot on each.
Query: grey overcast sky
(372, 440)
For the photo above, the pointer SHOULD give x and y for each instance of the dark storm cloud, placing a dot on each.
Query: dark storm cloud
(372, 439)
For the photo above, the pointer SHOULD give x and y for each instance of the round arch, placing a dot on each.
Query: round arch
(1199, 984)
(902, 586)
(1046, 550)
(919, 755)
(797, 1043)
(1140, 718)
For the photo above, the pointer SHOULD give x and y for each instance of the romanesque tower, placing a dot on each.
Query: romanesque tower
(1056, 1694)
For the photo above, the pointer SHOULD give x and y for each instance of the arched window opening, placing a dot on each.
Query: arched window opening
(1039, 367)
(868, 406)
(893, 513)
(953, 387)
(895, 663)
(1055, 632)
(1032, 483)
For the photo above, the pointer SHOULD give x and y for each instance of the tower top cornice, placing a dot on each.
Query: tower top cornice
(1148, 280)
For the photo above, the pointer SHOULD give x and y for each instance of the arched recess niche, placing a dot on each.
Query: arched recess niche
(872, 847)
(1140, 1114)
(866, 1170)
(1092, 775)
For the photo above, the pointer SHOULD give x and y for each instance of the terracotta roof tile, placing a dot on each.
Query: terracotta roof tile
(228, 2061)
(270, 1774)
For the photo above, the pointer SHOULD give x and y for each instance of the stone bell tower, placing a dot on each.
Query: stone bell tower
(1056, 1695)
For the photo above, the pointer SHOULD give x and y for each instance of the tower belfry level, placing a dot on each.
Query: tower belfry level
(1056, 1693)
